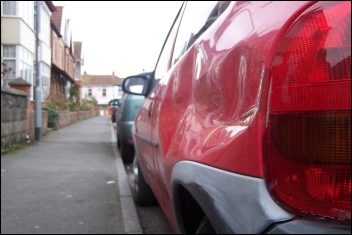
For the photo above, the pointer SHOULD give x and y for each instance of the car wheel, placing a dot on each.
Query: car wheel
(141, 192)
(118, 144)
(205, 227)
(126, 152)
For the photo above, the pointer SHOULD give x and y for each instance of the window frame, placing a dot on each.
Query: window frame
(159, 72)
(6, 8)
(9, 57)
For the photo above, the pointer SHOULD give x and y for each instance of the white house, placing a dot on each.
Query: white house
(102, 87)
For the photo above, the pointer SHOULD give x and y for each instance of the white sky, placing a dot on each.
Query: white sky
(124, 37)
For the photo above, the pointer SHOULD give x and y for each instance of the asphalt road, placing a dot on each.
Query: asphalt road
(152, 218)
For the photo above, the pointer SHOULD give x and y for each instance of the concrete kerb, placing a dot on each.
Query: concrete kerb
(129, 212)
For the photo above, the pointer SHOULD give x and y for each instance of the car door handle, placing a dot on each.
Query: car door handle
(150, 109)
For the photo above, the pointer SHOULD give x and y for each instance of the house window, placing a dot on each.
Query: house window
(45, 27)
(67, 55)
(9, 51)
(10, 67)
(61, 56)
(26, 9)
(9, 59)
(90, 92)
(26, 65)
(104, 92)
(45, 80)
(119, 91)
(77, 72)
(9, 7)
(53, 50)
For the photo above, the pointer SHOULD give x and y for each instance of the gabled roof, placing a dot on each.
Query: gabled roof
(101, 80)
(117, 81)
(63, 25)
(51, 6)
(56, 18)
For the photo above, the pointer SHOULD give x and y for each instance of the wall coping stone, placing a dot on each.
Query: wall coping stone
(9, 90)
(19, 82)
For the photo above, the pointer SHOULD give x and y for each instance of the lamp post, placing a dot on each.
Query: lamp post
(38, 92)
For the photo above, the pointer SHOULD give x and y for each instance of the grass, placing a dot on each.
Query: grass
(15, 147)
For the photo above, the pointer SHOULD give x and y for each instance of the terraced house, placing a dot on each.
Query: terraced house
(56, 49)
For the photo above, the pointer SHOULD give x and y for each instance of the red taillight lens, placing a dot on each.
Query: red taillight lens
(308, 141)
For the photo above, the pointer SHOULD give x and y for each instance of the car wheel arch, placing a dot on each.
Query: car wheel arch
(191, 204)
(222, 196)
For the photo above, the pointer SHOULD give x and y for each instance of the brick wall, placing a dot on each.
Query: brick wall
(67, 118)
(13, 116)
(18, 117)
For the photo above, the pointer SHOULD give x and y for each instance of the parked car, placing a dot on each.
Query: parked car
(125, 115)
(113, 106)
(246, 125)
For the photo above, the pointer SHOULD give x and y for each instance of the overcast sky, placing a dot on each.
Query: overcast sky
(124, 37)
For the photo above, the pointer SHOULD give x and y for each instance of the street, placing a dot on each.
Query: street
(152, 218)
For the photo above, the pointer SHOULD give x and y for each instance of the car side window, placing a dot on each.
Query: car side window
(164, 61)
(198, 16)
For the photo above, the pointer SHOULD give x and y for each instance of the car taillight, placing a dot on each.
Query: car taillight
(307, 147)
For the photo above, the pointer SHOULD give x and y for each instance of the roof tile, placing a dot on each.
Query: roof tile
(56, 17)
(100, 80)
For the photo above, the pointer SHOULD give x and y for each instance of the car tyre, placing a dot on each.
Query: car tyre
(141, 192)
(126, 152)
(205, 227)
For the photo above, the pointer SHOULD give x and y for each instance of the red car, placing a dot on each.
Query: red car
(246, 125)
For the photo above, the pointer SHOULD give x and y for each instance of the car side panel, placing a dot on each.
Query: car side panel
(211, 99)
(146, 144)
(145, 149)
(211, 105)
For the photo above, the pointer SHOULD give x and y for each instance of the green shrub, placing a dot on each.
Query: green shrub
(88, 103)
(53, 117)
(73, 106)
(57, 102)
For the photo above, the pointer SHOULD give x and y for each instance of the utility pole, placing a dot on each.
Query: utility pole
(38, 91)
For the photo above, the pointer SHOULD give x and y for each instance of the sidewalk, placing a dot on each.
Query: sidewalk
(72, 181)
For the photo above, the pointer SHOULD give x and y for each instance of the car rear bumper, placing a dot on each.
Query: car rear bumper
(239, 204)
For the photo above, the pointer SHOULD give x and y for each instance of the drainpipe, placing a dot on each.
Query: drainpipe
(38, 92)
